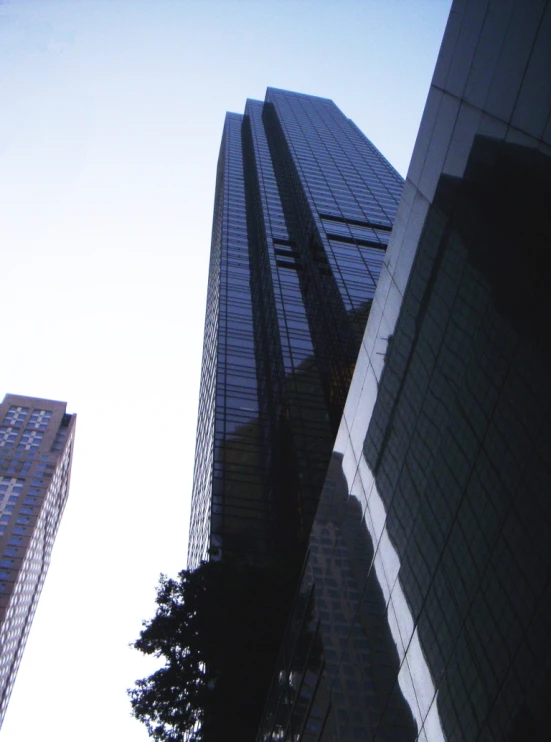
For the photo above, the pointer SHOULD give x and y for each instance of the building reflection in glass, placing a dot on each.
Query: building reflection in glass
(425, 604)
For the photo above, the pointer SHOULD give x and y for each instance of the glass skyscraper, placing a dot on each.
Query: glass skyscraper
(424, 609)
(304, 208)
(36, 446)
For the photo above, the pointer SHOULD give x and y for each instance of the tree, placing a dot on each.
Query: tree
(218, 629)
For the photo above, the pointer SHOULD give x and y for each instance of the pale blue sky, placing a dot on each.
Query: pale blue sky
(112, 114)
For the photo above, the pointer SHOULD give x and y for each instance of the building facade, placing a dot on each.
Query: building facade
(36, 445)
(424, 609)
(303, 211)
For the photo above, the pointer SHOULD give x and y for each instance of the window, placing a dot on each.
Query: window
(10, 486)
(60, 439)
(39, 415)
(39, 419)
(16, 415)
(7, 435)
(30, 440)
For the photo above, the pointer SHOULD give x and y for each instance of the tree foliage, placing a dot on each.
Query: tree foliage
(218, 629)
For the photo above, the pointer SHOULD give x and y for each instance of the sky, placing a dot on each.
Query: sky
(112, 114)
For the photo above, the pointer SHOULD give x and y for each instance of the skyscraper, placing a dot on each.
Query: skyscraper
(36, 445)
(424, 608)
(304, 207)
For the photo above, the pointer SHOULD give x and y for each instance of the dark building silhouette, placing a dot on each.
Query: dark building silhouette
(303, 211)
(36, 447)
(427, 579)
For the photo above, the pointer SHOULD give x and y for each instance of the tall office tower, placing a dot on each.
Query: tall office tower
(424, 611)
(303, 211)
(36, 444)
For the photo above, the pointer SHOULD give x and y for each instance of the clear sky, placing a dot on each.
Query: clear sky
(112, 114)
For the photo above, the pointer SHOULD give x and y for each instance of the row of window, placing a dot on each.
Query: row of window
(16, 415)
(30, 439)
